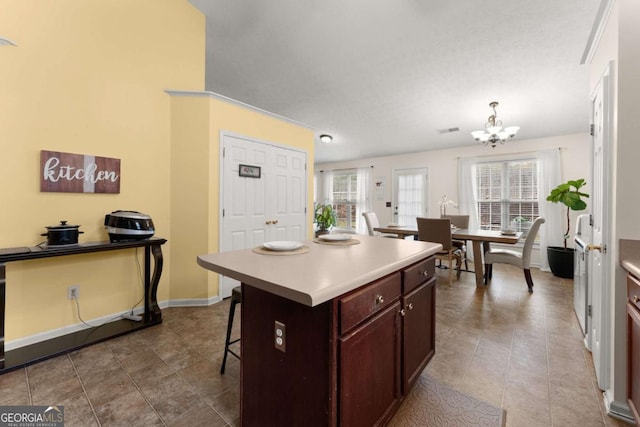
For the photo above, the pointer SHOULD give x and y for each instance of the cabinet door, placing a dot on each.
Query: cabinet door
(633, 360)
(369, 370)
(419, 332)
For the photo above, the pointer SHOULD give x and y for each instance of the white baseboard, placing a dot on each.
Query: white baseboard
(55, 333)
(617, 409)
(196, 302)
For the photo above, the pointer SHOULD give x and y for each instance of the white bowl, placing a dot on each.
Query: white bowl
(282, 245)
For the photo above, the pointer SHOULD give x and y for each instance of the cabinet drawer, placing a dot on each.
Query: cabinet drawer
(357, 306)
(633, 291)
(417, 274)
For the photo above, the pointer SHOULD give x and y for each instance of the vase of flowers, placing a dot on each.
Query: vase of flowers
(444, 203)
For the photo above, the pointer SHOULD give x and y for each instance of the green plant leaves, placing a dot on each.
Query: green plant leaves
(565, 194)
(325, 216)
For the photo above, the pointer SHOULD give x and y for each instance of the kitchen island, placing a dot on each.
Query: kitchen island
(356, 325)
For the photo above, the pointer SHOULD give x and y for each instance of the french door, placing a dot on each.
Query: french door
(599, 259)
(409, 195)
(266, 202)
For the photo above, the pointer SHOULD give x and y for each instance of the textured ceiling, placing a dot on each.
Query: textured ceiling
(383, 77)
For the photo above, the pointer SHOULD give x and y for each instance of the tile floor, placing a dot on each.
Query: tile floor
(520, 351)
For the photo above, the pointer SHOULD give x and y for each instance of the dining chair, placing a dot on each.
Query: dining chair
(508, 256)
(460, 221)
(438, 230)
(372, 222)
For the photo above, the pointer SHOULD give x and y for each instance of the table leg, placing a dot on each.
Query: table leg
(477, 262)
(151, 309)
(2, 307)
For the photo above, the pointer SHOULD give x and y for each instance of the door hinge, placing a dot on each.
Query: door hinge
(223, 213)
(589, 311)
(591, 129)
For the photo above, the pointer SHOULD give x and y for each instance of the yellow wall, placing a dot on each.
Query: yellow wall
(200, 233)
(88, 77)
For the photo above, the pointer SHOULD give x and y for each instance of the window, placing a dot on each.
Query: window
(507, 194)
(345, 199)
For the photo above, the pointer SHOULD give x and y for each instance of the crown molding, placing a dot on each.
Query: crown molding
(209, 94)
(602, 17)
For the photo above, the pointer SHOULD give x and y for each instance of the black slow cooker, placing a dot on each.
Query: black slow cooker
(128, 225)
(62, 234)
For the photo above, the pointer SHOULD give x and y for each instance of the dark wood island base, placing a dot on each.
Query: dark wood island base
(349, 361)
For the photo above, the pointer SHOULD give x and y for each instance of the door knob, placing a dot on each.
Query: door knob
(275, 221)
(268, 222)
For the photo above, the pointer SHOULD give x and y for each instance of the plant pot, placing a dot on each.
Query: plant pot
(561, 261)
(321, 232)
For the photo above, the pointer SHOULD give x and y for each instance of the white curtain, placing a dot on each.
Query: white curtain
(549, 176)
(364, 199)
(467, 189)
(326, 187)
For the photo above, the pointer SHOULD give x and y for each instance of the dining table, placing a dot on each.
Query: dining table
(481, 241)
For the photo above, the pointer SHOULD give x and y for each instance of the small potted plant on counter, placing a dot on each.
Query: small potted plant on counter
(324, 218)
(569, 194)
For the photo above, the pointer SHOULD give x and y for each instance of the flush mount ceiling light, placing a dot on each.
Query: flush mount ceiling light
(326, 138)
(6, 42)
(493, 131)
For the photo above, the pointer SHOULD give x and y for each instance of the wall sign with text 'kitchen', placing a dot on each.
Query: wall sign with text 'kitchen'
(78, 173)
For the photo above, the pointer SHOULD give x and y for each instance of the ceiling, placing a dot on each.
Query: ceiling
(386, 77)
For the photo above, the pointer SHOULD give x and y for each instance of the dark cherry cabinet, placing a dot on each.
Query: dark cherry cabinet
(419, 332)
(370, 370)
(348, 362)
(633, 346)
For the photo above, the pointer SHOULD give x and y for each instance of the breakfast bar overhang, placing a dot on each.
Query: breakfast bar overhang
(358, 323)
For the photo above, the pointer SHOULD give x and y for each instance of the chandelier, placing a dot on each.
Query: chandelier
(493, 131)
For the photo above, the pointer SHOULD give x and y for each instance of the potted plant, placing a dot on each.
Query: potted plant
(324, 218)
(569, 194)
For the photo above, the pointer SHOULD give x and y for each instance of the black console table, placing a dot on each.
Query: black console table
(33, 353)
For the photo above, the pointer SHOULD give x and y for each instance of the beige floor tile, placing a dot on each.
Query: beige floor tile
(499, 344)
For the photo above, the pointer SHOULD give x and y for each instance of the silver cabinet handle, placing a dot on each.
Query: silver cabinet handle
(403, 312)
(410, 306)
(379, 299)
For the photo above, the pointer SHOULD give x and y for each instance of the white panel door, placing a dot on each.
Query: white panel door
(286, 195)
(598, 257)
(244, 205)
(409, 195)
(256, 210)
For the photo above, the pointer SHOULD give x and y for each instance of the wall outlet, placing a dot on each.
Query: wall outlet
(280, 336)
(73, 292)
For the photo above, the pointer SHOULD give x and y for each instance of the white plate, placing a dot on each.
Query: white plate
(393, 225)
(282, 245)
(334, 237)
(508, 232)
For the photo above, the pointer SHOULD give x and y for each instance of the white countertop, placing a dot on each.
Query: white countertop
(630, 256)
(323, 273)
